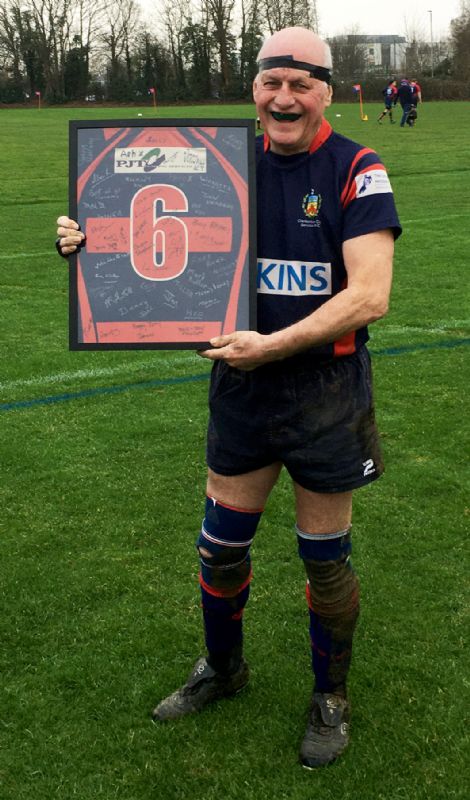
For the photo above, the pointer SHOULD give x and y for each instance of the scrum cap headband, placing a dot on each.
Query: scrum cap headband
(321, 73)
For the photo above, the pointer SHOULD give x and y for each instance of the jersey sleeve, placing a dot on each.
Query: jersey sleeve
(367, 198)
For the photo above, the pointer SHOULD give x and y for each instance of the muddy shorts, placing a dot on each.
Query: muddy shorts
(317, 419)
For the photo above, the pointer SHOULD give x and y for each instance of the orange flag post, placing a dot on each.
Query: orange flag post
(358, 89)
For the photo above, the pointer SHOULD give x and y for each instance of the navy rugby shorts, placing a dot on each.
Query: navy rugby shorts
(317, 419)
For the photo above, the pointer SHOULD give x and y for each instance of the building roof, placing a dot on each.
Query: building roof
(371, 39)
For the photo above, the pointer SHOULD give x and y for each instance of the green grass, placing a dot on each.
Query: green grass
(101, 500)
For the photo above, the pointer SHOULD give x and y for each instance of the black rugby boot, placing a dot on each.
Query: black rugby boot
(203, 686)
(327, 733)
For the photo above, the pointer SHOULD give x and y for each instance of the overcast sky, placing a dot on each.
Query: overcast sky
(399, 17)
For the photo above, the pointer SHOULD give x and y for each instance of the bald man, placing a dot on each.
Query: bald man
(296, 393)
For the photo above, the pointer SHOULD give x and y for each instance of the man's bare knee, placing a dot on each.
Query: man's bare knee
(322, 513)
(248, 491)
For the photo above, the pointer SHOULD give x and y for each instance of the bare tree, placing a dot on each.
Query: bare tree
(176, 18)
(52, 23)
(285, 13)
(89, 20)
(349, 55)
(418, 50)
(198, 49)
(220, 13)
(460, 35)
(120, 24)
(250, 42)
(36, 33)
(10, 43)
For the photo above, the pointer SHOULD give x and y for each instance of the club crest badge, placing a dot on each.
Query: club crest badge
(311, 204)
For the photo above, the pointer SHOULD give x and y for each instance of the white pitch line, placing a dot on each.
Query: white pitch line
(444, 328)
(176, 360)
(427, 219)
(10, 256)
(103, 372)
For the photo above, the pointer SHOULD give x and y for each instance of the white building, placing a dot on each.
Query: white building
(384, 54)
(388, 51)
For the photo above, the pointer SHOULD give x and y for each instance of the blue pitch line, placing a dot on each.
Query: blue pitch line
(60, 398)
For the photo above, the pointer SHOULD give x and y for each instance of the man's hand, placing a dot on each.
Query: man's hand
(244, 350)
(70, 237)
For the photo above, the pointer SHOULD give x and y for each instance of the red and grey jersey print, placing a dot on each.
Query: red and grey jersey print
(166, 216)
(308, 205)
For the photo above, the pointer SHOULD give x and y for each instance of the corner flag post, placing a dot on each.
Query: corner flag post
(358, 89)
(38, 95)
(153, 92)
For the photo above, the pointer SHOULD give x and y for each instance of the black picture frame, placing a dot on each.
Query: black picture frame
(168, 207)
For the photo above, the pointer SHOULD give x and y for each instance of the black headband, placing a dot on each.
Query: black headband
(321, 73)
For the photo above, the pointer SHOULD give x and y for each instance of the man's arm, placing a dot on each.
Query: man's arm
(369, 261)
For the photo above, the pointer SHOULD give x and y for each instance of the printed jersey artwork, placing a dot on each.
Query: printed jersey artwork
(166, 214)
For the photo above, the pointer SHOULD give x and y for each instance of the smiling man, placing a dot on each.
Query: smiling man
(296, 393)
(291, 91)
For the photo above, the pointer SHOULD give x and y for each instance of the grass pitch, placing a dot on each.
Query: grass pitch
(102, 485)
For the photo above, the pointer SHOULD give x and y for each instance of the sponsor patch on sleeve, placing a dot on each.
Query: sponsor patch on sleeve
(375, 181)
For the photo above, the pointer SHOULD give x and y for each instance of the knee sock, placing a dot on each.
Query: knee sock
(224, 547)
(333, 602)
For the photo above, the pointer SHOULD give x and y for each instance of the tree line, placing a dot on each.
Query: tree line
(70, 50)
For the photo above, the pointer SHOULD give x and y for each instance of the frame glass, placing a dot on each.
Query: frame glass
(168, 208)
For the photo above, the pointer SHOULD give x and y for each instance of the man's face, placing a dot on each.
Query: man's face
(290, 105)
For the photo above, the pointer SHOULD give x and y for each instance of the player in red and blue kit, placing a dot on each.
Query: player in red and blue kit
(416, 89)
(296, 393)
(415, 100)
(390, 94)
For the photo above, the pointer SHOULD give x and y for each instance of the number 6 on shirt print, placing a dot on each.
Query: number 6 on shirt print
(153, 236)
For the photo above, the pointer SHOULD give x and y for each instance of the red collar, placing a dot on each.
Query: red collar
(323, 133)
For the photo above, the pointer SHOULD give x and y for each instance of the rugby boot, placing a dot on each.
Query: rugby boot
(203, 686)
(327, 733)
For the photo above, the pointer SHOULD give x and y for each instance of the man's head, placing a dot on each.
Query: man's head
(292, 88)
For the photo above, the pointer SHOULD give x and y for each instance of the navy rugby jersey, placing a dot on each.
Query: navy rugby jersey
(390, 94)
(308, 205)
